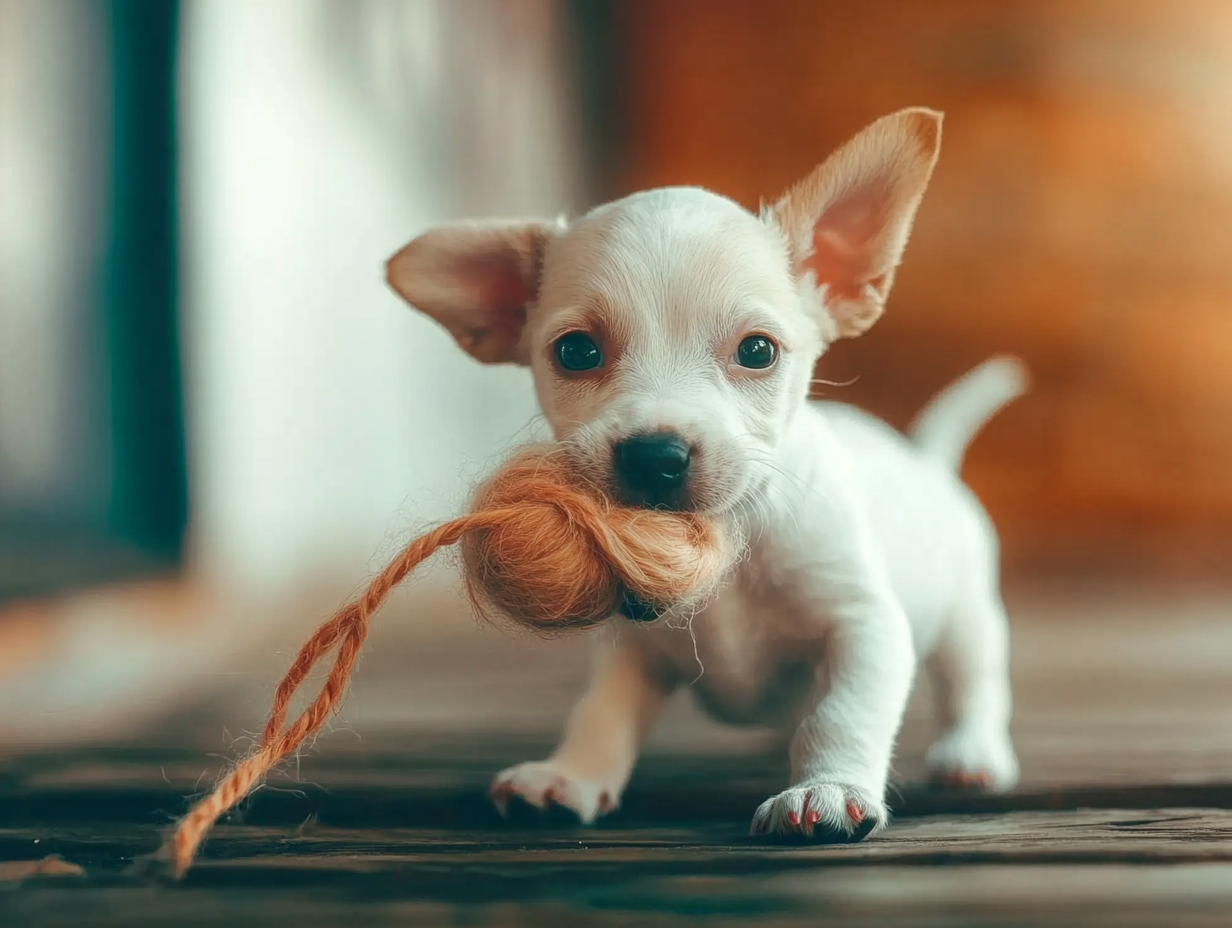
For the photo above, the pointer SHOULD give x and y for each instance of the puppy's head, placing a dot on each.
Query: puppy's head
(672, 334)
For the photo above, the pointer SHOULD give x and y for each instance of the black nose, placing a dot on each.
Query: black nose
(652, 466)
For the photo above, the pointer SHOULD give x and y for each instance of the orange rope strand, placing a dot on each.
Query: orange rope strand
(347, 630)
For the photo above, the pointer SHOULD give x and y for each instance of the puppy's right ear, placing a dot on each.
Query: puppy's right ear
(477, 280)
(847, 222)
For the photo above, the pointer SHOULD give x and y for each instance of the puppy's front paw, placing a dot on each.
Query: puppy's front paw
(831, 813)
(971, 759)
(545, 785)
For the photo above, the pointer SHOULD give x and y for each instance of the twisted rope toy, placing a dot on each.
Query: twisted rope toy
(541, 548)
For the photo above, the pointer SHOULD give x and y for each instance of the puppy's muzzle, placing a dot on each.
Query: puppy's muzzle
(652, 470)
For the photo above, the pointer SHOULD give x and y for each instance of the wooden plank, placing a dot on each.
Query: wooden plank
(997, 869)
(1191, 834)
(1085, 836)
(959, 897)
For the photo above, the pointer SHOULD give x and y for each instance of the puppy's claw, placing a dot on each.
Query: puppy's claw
(973, 759)
(975, 780)
(825, 812)
(546, 786)
(500, 800)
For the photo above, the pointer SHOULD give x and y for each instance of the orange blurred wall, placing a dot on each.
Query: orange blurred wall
(1081, 217)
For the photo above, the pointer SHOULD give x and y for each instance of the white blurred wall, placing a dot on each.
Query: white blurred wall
(51, 179)
(327, 421)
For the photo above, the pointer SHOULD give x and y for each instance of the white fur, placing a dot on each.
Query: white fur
(865, 553)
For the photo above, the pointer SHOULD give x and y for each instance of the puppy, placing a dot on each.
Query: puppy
(672, 337)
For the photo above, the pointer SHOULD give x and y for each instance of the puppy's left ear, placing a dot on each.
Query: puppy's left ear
(847, 222)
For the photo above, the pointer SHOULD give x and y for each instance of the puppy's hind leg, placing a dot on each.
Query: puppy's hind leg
(969, 670)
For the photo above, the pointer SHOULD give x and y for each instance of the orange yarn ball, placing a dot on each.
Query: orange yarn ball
(541, 547)
(563, 555)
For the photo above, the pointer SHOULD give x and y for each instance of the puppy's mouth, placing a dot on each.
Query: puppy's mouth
(636, 609)
(673, 500)
(697, 497)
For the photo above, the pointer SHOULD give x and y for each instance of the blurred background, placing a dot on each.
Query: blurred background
(216, 421)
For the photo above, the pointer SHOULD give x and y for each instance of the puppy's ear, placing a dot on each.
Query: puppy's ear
(477, 280)
(848, 221)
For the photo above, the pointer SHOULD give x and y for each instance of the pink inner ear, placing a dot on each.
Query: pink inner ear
(848, 241)
(508, 295)
(499, 295)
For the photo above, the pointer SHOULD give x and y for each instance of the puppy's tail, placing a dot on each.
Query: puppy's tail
(945, 427)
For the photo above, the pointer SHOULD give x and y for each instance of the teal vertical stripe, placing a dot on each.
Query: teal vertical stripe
(149, 501)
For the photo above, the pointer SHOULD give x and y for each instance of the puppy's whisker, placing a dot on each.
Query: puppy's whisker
(789, 505)
(754, 510)
(790, 509)
(534, 422)
(802, 490)
(759, 458)
(745, 520)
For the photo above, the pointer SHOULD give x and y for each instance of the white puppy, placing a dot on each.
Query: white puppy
(673, 337)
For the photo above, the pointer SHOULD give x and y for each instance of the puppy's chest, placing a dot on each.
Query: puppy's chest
(752, 653)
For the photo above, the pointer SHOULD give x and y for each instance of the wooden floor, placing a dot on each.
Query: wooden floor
(1124, 724)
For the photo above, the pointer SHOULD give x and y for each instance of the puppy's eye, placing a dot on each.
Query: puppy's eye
(756, 352)
(577, 352)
